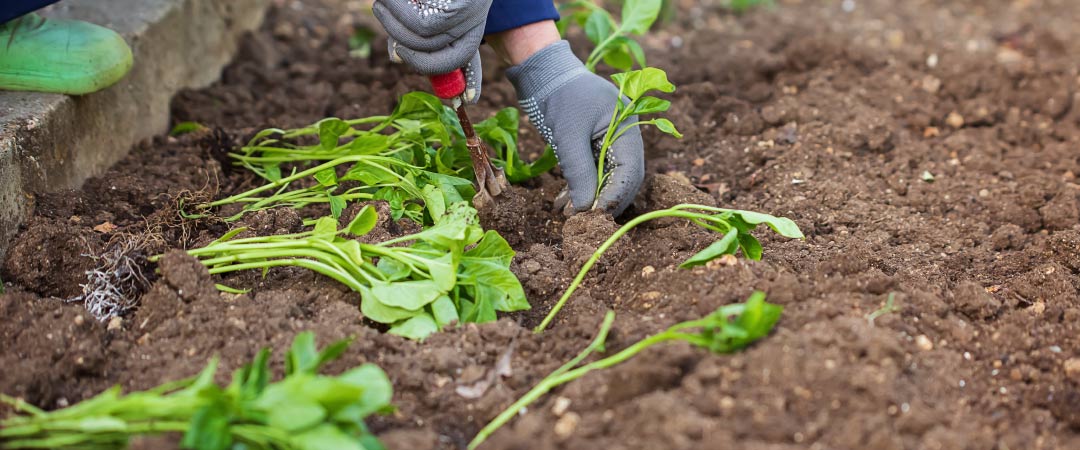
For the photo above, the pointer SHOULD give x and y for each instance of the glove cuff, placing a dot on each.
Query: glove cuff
(545, 71)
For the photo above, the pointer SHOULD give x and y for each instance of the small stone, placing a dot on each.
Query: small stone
(115, 324)
(930, 132)
(924, 343)
(562, 404)
(954, 120)
(727, 402)
(1007, 55)
(1038, 307)
(932, 60)
(531, 266)
(699, 162)
(931, 84)
(651, 295)
(984, 193)
(1072, 369)
(894, 38)
(647, 270)
(105, 227)
(79, 319)
(566, 425)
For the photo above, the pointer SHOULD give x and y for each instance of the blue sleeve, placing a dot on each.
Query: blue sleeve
(15, 8)
(507, 14)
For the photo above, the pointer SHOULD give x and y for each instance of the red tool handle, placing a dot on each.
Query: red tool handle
(448, 85)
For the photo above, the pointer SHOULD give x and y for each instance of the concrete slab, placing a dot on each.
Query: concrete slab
(51, 142)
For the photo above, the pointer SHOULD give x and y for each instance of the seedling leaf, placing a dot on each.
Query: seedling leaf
(639, 15)
(185, 128)
(782, 225)
(598, 26)
(418, 327)
(330, 130)
(648, 105)
(667, 127)
(725, 246)
(636, 83)
(364, 221)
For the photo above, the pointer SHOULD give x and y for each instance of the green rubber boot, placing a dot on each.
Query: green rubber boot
(61, 56)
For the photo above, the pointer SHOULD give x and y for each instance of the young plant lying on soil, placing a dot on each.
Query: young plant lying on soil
(728, 329)
(634, 85)
(416, 289)
(614, 45)
(420, 144)
(304, 410)
(734, 225)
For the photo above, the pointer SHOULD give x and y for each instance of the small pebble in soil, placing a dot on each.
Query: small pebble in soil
(566, 425)
(115, 324)
(924, 343)
(562, 404)
(1072, 369)
(955, 120)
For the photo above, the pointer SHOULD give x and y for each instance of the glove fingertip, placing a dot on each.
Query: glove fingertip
(391, 49)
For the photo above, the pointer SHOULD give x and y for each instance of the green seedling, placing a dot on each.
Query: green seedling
(185, 128)
(305, 410)
(393, 160)
(890, 307)
(613, 39)
(419, 145)
(734, 225)
(451, 272)
(634, 85)
(360, 41)
(501, 133)
(741, 6)
(728, 329)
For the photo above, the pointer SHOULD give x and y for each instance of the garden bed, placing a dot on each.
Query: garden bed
(929, 153)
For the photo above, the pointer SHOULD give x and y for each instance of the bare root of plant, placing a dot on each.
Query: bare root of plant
(114, 286)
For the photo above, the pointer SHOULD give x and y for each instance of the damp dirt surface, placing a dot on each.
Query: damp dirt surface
(928, 150)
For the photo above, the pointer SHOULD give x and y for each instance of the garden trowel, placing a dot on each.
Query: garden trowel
(490, 180)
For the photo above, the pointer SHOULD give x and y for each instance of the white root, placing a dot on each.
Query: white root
(114, 286)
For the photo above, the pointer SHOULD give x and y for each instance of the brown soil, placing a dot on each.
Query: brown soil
(807, 111)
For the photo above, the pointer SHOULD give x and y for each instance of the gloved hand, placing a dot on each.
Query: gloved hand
(571, 108)
(437, 36)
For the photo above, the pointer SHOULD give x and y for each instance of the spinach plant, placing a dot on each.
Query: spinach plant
(305, 410)
(451, 272)
(614, 44)
(500, 132)
(734, 225)
(395, 158)
(728, 329)
(634, 85)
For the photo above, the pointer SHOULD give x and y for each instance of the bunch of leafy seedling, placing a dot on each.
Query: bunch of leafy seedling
(450, 272)
(613, 40)
(728, 329)
(305, 410)
(734, 225)
(392, 158)
(634, 85)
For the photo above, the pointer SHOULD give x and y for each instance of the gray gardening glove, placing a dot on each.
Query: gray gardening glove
(437, 36)
(571, 108)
